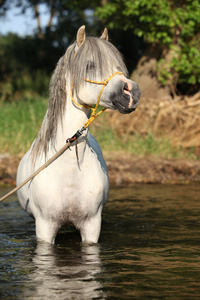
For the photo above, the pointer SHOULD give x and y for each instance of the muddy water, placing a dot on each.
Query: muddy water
(149, 249)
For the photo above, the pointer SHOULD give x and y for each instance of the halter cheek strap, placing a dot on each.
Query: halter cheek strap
(94, 109)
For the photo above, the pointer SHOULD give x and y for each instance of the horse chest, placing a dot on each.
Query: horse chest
(75, 193)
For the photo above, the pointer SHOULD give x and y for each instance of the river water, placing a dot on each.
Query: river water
(149, 249)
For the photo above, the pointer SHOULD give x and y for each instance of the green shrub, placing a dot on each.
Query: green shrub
(172, 25)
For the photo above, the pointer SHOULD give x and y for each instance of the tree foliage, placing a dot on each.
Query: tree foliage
(30, 60)
(172, 25)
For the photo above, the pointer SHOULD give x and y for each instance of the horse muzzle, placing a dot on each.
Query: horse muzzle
(126, 96)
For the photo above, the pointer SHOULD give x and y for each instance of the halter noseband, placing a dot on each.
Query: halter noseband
(94, 109)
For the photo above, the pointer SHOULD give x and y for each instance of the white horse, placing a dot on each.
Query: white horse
(74, 188)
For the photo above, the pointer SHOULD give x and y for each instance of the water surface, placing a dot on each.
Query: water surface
(149, 249)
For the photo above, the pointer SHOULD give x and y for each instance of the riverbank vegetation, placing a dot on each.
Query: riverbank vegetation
(20, 122)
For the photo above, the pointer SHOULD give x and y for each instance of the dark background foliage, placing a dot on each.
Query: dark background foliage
(134, 27)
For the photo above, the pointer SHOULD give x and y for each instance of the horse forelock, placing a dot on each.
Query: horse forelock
(96, 59)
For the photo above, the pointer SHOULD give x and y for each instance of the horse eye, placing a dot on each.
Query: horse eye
(90, 66)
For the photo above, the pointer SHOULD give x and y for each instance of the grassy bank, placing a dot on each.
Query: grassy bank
(20, 122)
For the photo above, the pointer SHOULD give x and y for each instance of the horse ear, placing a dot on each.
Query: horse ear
(80, 38)
(104, 35)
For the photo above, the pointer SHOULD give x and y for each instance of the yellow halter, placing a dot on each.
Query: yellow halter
(94, 109)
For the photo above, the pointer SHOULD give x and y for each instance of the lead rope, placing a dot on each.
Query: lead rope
(93, 116)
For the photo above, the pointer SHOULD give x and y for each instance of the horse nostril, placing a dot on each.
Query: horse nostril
(126, 90)
(126, 87)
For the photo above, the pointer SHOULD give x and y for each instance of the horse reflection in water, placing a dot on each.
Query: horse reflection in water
(67, 275)
(74, 188)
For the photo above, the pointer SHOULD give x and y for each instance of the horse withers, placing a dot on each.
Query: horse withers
(74, 188)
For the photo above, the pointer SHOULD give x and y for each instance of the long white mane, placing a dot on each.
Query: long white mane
(96, 59)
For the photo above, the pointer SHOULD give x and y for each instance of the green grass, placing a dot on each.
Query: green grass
(139, 145)
(20, 122)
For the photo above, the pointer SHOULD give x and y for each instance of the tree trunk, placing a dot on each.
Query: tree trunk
(40, 34)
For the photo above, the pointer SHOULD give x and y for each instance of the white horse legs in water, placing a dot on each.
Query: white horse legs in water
(74, 188)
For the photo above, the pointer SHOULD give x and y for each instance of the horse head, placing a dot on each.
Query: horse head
(98, 63)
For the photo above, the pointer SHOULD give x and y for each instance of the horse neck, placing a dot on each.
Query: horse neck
(73, 119)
